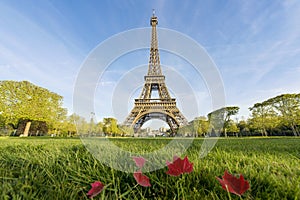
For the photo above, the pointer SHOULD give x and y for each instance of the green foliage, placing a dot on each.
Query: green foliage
(216, 120)
(24, 100)
(126, 131)
(197, 127)
(220, 119)
(110, 126)
(288, 108)
(2, 122)
(276, 113)
(232, 127)
(243, 128)
(200, 126)
(37, 168)
(68, 126)
(5, 130)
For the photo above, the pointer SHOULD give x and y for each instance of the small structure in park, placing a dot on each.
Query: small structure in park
(146, 107)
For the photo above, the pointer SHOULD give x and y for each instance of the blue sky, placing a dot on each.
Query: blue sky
(254, 44)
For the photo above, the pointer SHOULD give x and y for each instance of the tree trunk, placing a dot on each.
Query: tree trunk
(266, 133)
(294, 129)
(26, 130)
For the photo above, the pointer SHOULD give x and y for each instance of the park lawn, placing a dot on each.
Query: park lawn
(62, 168)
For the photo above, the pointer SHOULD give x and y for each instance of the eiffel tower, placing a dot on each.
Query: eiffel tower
(164, 107)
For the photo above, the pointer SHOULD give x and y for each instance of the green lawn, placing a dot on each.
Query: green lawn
(54, 168)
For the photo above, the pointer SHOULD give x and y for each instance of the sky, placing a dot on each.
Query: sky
(255, 46)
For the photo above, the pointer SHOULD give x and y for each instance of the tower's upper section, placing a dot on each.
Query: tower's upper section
(154, 68)
(153, 20)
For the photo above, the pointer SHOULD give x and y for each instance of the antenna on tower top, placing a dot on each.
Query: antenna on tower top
(153, 12)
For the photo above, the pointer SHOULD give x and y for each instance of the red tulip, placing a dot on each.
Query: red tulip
(139, 161)
(97, 187)
(232, 184)
(178, 166)
(141, 179)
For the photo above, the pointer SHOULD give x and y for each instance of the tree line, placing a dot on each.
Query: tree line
(277, 116)
(27, 109)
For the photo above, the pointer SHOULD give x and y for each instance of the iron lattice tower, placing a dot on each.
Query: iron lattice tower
(164, 107)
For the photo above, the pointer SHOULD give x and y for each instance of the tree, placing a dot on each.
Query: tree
(263, 118)
(219, 119)
(232, 128)
(68, 127)
(216, 121)
(197, 127)
(26, 101)
(243, 127)
(2, 122)
(4, 129)
(288, 108)
(200, 126)
(82, 126)
(110, 126)
(185, 130)
(277, 114)
(126, 130)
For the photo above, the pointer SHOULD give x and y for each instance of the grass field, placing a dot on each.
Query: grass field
(54, 168)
